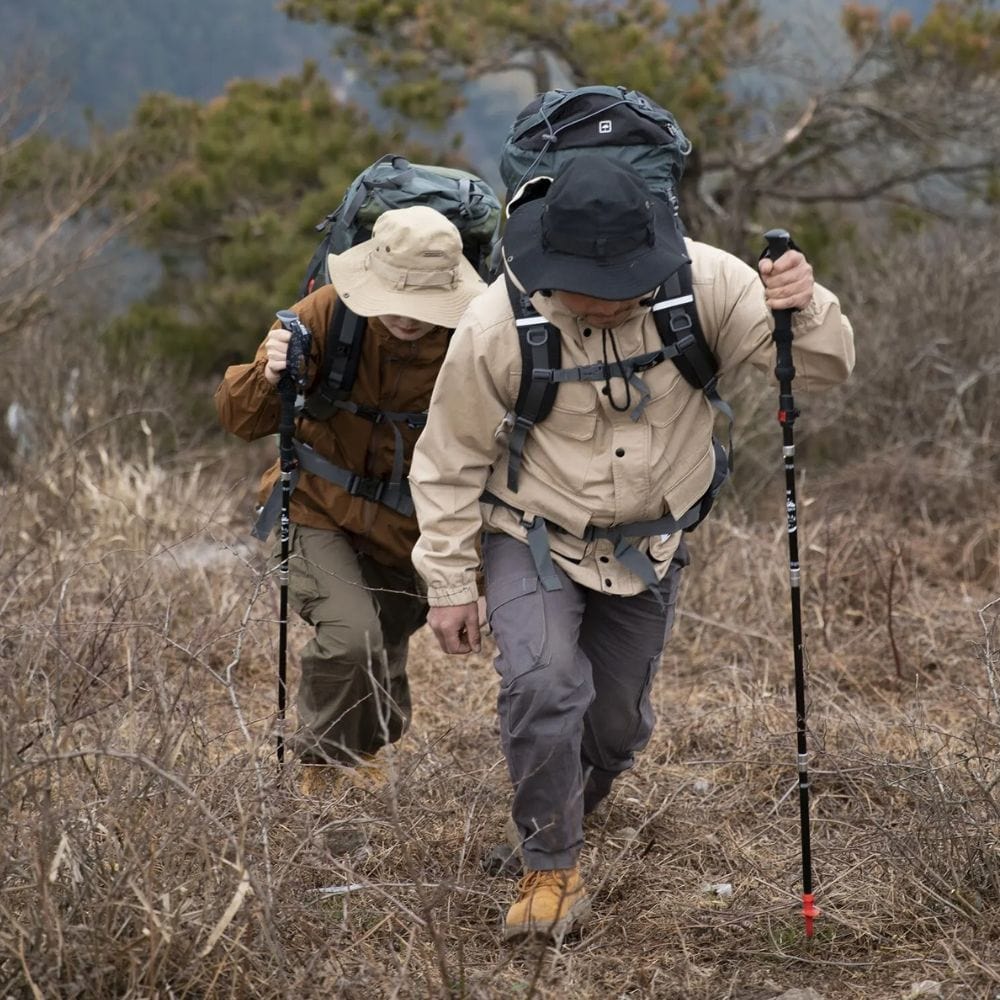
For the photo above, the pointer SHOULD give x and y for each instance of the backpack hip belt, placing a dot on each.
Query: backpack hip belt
(621, 535)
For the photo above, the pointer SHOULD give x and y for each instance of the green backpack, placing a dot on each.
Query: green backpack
(393, 182)
(390, 182)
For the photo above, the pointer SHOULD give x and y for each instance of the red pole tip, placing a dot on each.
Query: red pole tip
(810, 911)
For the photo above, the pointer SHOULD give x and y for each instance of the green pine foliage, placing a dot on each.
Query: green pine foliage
(237, 186)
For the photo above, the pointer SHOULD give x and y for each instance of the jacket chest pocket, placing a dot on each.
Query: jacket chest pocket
(669, 394)
(559, 449)
(562, 447)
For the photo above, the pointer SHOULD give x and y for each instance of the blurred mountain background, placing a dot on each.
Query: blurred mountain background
(217, 133)
(105, 55)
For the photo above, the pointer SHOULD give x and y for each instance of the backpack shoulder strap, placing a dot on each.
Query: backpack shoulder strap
(541, 351)
(339, 368)
(676, 317)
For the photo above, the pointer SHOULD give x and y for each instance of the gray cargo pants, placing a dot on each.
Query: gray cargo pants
(576, 668)
(353, 696)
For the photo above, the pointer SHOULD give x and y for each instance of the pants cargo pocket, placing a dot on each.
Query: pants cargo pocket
(517, 617)
(644, 718)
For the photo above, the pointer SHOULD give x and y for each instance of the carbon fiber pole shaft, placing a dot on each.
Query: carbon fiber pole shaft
(778, 241)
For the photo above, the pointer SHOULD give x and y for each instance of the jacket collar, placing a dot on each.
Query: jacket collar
(429, 349)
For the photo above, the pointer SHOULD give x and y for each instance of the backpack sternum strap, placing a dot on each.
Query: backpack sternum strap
(416, 419)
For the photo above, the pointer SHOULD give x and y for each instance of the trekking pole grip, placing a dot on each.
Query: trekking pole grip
(289, 382)
(778, 242)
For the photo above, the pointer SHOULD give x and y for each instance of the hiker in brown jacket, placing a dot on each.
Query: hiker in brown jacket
(353, 529)
(580, 604)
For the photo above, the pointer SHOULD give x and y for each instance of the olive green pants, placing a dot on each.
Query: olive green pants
(353, 695)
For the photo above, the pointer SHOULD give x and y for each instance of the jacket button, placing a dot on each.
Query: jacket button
(604, 559)
(605, 391)
(586, 332)
(607, 583)
(620, 452)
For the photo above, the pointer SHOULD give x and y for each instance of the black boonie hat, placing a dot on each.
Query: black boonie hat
(598, 231)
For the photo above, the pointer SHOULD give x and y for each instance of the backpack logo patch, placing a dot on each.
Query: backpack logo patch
(604, 126)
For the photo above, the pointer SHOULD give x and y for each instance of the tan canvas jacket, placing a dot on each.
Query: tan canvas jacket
(587, 462)
(394, 376)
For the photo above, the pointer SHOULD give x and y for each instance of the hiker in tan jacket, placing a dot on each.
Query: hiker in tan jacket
(353, 529)
(580, 607)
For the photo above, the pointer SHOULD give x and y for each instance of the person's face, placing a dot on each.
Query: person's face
(404, 328)
(603, 313)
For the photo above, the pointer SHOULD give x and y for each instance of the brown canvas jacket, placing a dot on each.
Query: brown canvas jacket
(588, 462)
(394, 376)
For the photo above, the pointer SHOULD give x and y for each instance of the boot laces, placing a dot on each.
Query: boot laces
(533, 880)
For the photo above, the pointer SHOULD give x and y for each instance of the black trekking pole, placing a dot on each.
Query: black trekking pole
(778, 241)
(291, 380)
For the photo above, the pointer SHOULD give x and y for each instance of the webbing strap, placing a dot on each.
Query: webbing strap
(417, 419)
(676, 319)
(541, 553)
(267, 516)
(414, 419)
(538, 344)
(622, 535)
(393, 492)
(625, 552)
(628, 368)
(339, 367)
(629, 556)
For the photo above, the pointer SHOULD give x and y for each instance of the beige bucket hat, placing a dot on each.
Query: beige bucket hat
(412, 266)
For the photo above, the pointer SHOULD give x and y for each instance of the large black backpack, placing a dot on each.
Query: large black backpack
(390, 182)
(626, 125)
(612, 121)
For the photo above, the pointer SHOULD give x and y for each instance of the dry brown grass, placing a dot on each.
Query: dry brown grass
(152, 849)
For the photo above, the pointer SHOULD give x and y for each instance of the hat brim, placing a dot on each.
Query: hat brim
(365, 294)
(624, 277)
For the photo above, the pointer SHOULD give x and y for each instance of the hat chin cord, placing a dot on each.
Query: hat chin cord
(606, 335)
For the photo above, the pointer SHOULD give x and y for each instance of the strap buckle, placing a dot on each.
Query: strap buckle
(543, 374)
(680, 321)
(371, 413)
(660, 357)
(367, 487)
(593, 373)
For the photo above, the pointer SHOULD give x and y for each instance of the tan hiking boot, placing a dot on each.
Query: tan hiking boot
(370, 773)
(550, 903)
(320, 780)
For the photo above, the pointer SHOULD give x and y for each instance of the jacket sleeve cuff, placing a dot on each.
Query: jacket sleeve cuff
(449, 597)
(814, 313)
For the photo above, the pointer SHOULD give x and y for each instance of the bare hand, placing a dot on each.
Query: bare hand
(456, 628)
(788, 281)
(276, 346)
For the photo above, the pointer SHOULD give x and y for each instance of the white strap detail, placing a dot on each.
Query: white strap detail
(530, 321)
(670, 303)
